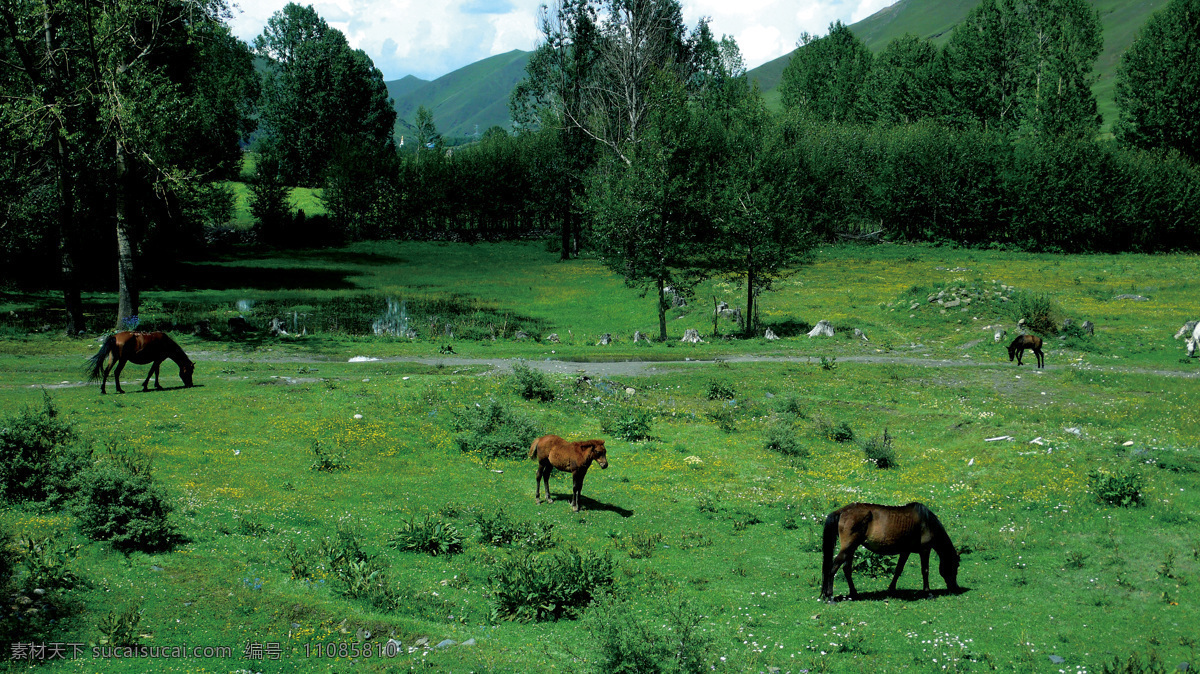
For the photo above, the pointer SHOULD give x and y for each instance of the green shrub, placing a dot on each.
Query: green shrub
(326, 461)
(39, 454)
(430, 536)
(629, 423)
(790, 405)
(837, 432)
(496, 432)
(719, 390)
(664, 636)
(781, 437)
(1122, 487)
(131, 511)
(532, 384)
(879, 449)
(120, 629)
(48, 564)
(1134, 665)
(1041, 313)
(559, 586)
(874, 565)
(724, 416)
(499, 530)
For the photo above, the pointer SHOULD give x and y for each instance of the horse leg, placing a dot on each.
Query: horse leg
(157, 367)
(537, 485)
(103, 381)
(1041, 357)
(146, 382)
(1020, 353)
(547, 469)
(925, 570)
(899, 570)
(847, 566)
(577, 478)
(117, 375)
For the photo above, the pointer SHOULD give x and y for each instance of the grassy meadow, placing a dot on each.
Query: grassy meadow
(286, 453)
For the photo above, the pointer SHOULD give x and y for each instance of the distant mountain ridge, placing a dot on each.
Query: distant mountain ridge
(475, 97)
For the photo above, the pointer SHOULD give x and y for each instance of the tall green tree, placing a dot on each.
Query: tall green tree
(907, 83)
(825, 76)
(318, 94)
(553, 96)
(649, 202)
(1026, 67)
(1158, 81)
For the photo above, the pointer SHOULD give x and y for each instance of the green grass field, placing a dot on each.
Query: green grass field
(709, 529)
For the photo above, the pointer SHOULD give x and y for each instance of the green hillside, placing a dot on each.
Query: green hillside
(467, 100)
(935, 19)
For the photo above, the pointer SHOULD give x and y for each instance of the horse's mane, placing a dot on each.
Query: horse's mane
(941, 538)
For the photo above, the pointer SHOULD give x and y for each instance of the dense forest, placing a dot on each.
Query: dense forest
(636, 138)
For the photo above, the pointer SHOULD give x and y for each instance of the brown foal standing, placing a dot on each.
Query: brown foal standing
(575, 458)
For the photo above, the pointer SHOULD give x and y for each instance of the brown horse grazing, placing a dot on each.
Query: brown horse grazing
(1022, 342)
(139, 348)
(885, 530)
(553, 452)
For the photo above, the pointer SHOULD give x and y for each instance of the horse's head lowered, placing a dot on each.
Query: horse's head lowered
(595, 451)
(948, 567)
(186, 369)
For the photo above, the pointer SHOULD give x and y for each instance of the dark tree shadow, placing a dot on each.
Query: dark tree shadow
(205, 276)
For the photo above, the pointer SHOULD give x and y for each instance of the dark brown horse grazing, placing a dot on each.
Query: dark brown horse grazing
(139, 348)
(885, 530)
(1022, 342)
(553, 452)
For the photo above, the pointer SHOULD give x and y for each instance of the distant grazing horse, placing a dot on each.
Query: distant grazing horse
(553, 452)
(139, 348)
(1022, 342)
(885, 530)
(1194, 341)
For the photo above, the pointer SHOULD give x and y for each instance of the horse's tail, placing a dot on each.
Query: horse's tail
(533, 449)
(96, 363)
(829, 538)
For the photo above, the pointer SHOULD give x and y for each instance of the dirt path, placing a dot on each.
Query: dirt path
(639, 368)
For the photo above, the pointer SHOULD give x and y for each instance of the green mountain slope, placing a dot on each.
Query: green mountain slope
(935, 19)
(467, 100)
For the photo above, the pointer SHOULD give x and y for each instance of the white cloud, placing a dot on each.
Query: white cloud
(429, 39)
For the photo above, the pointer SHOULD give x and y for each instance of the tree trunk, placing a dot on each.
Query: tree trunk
(127, 292)
(749, 317)
(566, 234)
(662, 312)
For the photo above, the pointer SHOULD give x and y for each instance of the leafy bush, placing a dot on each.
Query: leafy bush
(39, 454)
(1122, 487)
(531, 588)
(430, 536)
(665, 636)
(131, 511)
(879, 449)
(326, 461)
(874, 565)
(119, 629)
(719, 390)
(837, 432)
(37, 579)
(500, 531)
(629, 423)
(496, 432)
(724, 417)
(532, 384)
(1041, 313)
(781, 437)
(790, 405)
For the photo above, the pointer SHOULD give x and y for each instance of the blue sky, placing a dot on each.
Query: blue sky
(431, 38)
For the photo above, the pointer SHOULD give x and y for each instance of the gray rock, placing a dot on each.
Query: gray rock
(446, 643)
(521, 334)
(823, 329)
(553, 337)
(769, 335)
(861, 334)
(722, 308)
(639, 336)
(1074, 430)
(392, 648)
(914, 306)
(1089, 327)
(692, 335)
(1058, 660)
(952, 303)
(421, 642)
(605, 339)
(1135, 298)
(1000, 335)
(277, 327)
(971, 344)
(468, 642)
